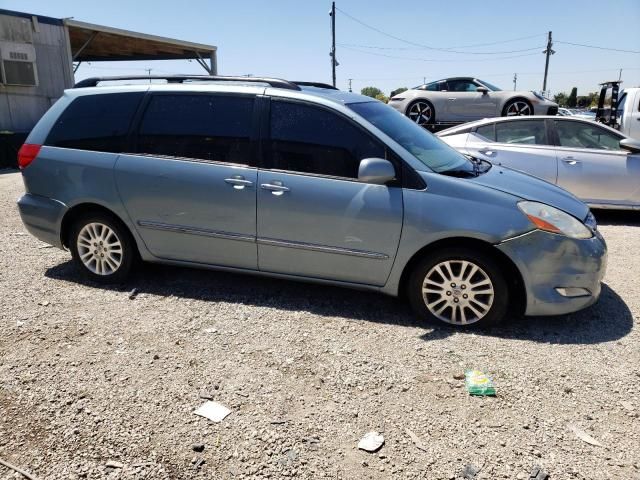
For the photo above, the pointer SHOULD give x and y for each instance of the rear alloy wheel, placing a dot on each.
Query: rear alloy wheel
(460, 288)
(516, 108)
(101, 248)
(421, 112)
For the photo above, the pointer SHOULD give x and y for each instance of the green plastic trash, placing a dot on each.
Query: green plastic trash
(478, 383)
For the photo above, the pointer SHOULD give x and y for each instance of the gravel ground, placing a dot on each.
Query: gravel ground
(96, 385)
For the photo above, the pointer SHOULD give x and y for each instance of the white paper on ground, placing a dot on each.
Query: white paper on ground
(371, 442)
(214, 411)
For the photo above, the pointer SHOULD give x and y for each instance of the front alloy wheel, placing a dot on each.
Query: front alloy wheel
(518, 108)
(459, 287)
(457, 291)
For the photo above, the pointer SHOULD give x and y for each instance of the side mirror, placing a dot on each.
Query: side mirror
(376, 170)
(482, 90)
(628, 144)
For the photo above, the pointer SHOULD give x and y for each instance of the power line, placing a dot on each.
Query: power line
(501, 41)
(599, 48)
(432, 59)
(413, 49)
(427, 47)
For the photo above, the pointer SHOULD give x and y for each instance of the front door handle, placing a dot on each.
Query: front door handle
(451, 99)
(488, 153)
(570, 161)
(276, 188)
(238, 182)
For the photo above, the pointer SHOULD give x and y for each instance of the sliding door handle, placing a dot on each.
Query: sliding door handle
(275, 188)
(238, 182)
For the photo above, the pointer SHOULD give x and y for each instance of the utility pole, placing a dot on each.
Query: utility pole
(515, 81)
(333, 42)
(549, 51)
(350, 84)
(620, 76)
(424, 80)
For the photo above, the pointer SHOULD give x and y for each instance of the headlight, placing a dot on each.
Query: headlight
(550, 219)
(590, 222)
(396, 99)
(538, 95)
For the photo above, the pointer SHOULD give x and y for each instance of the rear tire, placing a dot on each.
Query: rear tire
(459, 287)
(102, 248)
(421, 112)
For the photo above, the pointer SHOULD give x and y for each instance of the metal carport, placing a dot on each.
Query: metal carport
(98, 43)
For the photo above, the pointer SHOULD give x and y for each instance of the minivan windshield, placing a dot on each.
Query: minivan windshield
(427, 148)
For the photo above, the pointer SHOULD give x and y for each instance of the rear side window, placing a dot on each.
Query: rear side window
(205, 127)
(96, 122)
(309, 139)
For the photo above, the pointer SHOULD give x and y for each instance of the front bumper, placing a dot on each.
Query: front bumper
(548, 262)
(42, 217)
(544, 108)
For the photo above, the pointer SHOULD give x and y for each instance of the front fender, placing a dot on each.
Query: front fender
(453, 208)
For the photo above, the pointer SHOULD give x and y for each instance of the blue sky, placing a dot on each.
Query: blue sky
(291, 39)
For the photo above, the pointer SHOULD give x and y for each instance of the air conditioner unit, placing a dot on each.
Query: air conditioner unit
(18, 64)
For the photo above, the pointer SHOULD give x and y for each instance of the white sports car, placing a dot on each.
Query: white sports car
(462, 99)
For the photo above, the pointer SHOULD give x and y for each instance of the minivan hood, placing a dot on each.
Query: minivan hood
(531, 188)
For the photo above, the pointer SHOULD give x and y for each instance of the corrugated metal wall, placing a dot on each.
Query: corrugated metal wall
(21, 107)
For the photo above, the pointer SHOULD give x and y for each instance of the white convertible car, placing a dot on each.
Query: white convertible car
(598, 164)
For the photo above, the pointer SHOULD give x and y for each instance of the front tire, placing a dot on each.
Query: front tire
(517, 107)
(421, 112)
(459, 287)
(102, 248)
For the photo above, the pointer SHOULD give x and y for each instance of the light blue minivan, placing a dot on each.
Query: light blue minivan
(301, 181)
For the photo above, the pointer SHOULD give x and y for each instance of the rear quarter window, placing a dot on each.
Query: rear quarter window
(487, 131)
(96, 122)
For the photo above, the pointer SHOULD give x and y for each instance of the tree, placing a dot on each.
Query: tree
(560, 99)
(371, 92)
(573, 98)
(398, 91)
(382, 97)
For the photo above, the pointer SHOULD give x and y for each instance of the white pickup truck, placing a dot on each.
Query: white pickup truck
(628, 112)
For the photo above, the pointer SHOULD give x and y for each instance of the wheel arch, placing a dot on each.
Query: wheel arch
(513, 277)
(77, 211)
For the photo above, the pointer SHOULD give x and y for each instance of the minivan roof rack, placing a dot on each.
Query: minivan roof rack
(315, 84)
(274, 82)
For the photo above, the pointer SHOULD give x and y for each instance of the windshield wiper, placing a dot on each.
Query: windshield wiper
(459, 172)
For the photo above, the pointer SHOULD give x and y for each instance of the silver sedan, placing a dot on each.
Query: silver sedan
(596, 163)
(463, 99)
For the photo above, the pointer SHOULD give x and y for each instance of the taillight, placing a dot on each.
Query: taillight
(27, 154)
